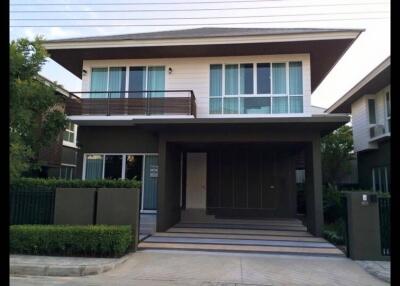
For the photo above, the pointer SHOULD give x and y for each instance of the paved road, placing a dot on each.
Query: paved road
(157, 268)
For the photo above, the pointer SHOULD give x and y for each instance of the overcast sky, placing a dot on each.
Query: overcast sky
(371, 48)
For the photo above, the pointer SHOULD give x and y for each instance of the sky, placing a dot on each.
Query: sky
(370, 49)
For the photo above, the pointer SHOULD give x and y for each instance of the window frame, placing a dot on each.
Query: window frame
(388, 111)
(70, 131)
(127, 68)
(255, 86)
(123, 170)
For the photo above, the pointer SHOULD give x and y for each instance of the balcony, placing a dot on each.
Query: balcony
(133, 103)
(378, 132)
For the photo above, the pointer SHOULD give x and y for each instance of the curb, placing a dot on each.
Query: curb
(61, 270)
(378, 274)
(381, 275)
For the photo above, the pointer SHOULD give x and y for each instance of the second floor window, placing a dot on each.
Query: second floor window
(371, 111)
(256, 88)
(139, 79)
(108, 79)
(388, 110)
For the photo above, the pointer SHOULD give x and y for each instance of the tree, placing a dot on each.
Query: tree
(35, 115)
(336, 154)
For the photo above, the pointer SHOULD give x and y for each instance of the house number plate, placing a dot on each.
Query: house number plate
(153, 171)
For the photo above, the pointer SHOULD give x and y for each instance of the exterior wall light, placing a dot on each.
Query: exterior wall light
(169, 70)
(84, 72)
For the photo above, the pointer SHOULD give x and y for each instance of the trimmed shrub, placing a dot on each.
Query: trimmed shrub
(51, 184)
(68, 240)
(335, 232)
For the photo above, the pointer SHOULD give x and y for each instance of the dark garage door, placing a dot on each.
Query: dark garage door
(251, 180)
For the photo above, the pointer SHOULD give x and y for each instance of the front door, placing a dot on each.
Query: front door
(196, 180)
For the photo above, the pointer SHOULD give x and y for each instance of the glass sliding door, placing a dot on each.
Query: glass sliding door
(113, 167)
(94, 167)
(156, 80)
(116, 81)
(99, 78)
(150, 182)
(137, 82)
(134, 167)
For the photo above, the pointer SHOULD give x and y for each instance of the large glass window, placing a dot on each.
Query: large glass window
(277, 88)
(156, 80)
(113, 167)
(94, 167)
(99, 79)
(371, 111)
(295, 78)
(381, 179)
(278, 78)
(231, 79)
(137, 82)
(231, 105)
(134, 167)
(263, 78)
(255, 105)
(279, 104)
(388, 110)
(116, 82)
(108, 79)
(296, 104)
(215, 89)
(126, 166)
(150, 182)
(69, 133)
(246, 79)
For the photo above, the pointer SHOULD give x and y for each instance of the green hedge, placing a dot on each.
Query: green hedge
(52, 184)
(335, 232)
(68, 240)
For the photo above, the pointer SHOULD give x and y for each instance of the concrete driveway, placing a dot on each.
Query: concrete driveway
(160, 268)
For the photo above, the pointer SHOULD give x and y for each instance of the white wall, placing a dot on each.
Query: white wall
(193, 74)
(360, 119)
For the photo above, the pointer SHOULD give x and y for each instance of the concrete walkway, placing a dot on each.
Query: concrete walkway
(158, 268)
(380, 269)
(62, 266)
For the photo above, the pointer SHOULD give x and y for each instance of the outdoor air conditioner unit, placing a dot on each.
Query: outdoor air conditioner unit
(376, 130)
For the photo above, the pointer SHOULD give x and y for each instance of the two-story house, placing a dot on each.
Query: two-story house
(369, 104)
(210, 119)
(59, 160)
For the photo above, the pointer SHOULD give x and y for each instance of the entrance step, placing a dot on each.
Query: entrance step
(196, 215)
(284, 236)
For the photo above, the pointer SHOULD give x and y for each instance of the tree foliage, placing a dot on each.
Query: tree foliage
(336, 154)
(35, 115)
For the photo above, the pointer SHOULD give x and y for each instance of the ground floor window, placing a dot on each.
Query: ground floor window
(143, 167)
(381, 179)
(62, 172)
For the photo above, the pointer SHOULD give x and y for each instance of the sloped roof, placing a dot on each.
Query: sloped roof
(204, 33)
(374, 81)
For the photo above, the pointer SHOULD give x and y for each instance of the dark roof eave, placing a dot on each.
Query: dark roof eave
(203, 33)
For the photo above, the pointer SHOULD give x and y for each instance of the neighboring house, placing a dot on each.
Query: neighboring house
(60, 159)
(210, 119)
(369, 104)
